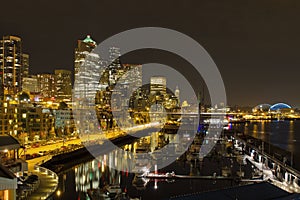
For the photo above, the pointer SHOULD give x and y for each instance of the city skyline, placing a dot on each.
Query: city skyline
(250, 42)
(168, 99)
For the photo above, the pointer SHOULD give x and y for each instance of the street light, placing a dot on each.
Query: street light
(58, 193)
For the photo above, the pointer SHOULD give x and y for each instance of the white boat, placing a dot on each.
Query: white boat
(166, 175)
(112, 190)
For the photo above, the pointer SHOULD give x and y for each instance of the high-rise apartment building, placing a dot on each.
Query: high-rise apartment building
(46, 85)
(25, 65)
(11, 64)
(63, 84)
(30, 84)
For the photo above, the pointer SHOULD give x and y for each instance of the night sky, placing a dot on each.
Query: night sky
(255, 43)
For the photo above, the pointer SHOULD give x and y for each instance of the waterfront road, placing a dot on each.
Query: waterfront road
(49, 180)
(51, 146)
(97, 137)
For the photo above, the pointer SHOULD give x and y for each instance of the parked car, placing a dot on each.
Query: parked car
(35, 155)
(35, 145)
(42, 153)
(28, 156)
(63, 147)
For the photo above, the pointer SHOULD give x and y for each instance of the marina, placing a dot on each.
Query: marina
(215, 171)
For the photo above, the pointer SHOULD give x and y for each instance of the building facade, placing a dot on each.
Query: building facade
(11, 64)
(158, 84)
(63, 87)
(64, 122)
(39, 123)
(8, 118)
(25, 65)
(46, 86)
(30, 85)
(86, 69)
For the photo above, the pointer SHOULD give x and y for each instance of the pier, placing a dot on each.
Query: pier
(275, 171)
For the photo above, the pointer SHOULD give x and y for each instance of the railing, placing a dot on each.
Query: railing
(48, 157)
(49, 173)
(289, 177)
(275, 160)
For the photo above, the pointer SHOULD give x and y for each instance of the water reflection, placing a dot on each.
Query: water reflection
(96, 174)
(132, 157)
(283, 134)
(96, 178)
(93, 175)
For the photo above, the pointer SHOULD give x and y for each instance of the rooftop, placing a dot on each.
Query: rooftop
(5, 173)
(88, 39)
(8, 142)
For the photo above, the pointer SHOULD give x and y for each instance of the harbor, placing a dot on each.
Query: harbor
(235, 168)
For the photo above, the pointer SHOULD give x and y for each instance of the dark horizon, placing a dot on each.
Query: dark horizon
(253, 43)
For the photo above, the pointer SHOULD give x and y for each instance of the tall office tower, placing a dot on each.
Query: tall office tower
(158, 84)
(84, 47)
(116, 70)
(86, 69)
(117, 82)
(25, 65)
(129, 80)
(113, 70)
(114, 53)
(30, 84)
(11, 64)
(63, 84)
(46, 85)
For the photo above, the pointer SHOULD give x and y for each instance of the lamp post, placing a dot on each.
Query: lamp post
(63, 135)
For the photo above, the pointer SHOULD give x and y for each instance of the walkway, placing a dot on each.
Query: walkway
(48, 184)
(268, 175)
(48, 179)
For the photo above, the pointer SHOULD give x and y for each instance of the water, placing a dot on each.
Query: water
(283, 134)
(75, 182)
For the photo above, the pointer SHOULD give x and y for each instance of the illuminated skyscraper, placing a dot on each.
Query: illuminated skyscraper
(11, 64)
(46, 85)
(63, 84)
(25, 65)
(128, 80)
(84, 47)
(158, 84)
(86, 67)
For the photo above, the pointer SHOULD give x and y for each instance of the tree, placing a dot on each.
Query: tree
(24, 96)
(63, 106)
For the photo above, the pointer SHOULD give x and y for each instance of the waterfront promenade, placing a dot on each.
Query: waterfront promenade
(48, 180)
(44, 189)
(48, 183)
